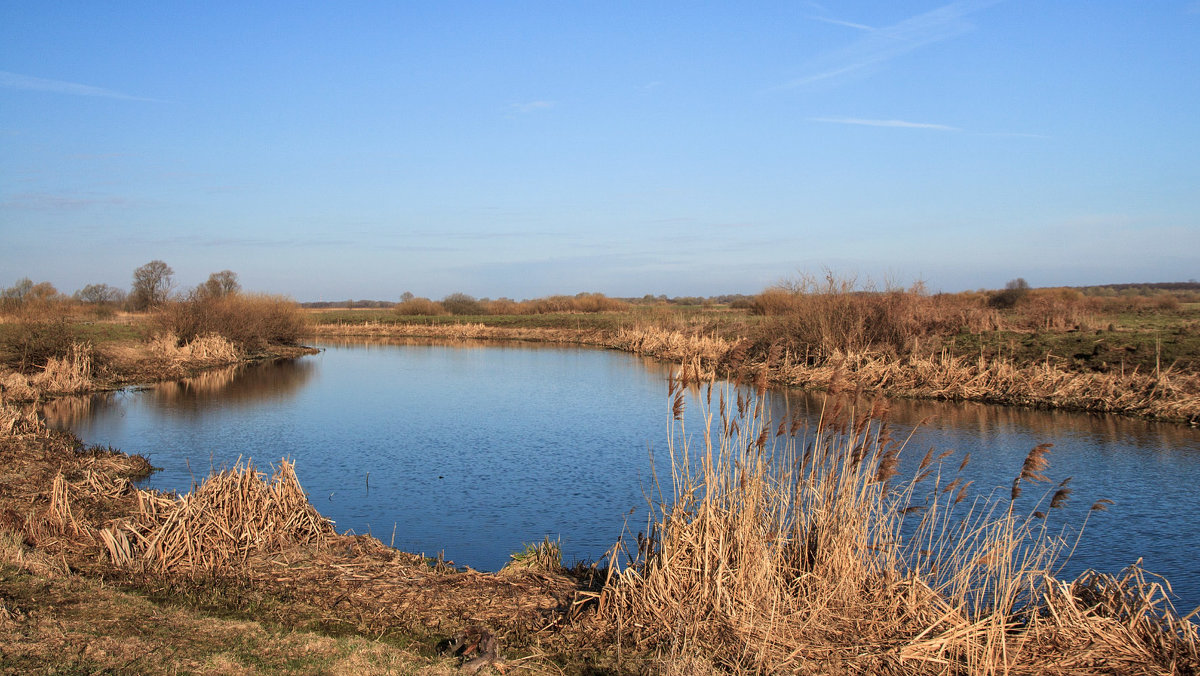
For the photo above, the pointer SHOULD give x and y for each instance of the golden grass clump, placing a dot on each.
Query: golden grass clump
(676, 346)
(211, 348)
(16, 420)
(233, 514)
(69, 374)
(809, 557)
(544, 556)
(15, 386)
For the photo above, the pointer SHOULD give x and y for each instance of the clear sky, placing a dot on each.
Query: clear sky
(359, 150)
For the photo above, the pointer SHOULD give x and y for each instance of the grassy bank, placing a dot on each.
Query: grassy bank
(762, 556)
(1050, 348)
(54, 349)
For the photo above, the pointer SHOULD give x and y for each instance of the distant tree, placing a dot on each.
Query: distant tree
(151, 284)
(1013, 292)
(42, 292)
(17, 292)
(100, 294)
(219, 284)
(406, 296)
(462, 304)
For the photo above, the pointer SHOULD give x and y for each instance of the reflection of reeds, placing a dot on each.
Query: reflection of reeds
(239, 383)
(805, 557)
(207, 383)
(64, 412)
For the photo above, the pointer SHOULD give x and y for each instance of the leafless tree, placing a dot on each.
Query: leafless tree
(151, 284)
(219, 284)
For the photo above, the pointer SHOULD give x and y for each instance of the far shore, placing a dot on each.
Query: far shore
(1169, 397)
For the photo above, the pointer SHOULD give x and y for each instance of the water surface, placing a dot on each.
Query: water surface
(473, 449)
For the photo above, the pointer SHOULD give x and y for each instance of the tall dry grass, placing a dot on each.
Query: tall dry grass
(16, 419)
(69, 374)
(821, 317)
(233, 514)
(1167, 394)
(209, 348)
(768, 556)
(250, 321)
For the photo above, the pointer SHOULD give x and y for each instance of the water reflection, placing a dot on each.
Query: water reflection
(231, 386)
(238, 384)
(475, 448)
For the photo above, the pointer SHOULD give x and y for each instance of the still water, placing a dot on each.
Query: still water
(472, 450)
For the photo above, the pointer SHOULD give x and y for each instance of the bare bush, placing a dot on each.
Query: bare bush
(151, 285)
(832, 316)
(583, 302)
(28, 346)
(250, 321)
(412, 307)
(462, 304)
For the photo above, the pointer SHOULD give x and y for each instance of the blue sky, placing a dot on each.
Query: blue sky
(360, 150)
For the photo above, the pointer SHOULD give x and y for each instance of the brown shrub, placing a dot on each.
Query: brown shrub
(504, 306)
(419, 307)
(1055, 309)
(835, 316)
(247, 320)
(583, 302)
(28, 346)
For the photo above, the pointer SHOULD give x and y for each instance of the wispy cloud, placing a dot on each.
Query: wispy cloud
(17, 81)
(532, 106)
(904, 124)
(839, 22)
(883, 44)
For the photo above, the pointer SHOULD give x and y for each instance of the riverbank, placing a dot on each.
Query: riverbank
(1169, 394)
(80, 592)
(244, 575)
(86, 367)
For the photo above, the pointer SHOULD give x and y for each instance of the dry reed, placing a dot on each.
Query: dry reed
(233, 514)
(69, 374)
(210, 349)
(806, 557)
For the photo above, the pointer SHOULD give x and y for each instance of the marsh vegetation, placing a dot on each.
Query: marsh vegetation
(763, 554)
(772, 545)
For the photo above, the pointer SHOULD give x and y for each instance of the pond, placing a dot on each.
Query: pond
(471, 450)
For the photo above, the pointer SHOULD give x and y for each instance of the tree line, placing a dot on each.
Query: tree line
(153, 284)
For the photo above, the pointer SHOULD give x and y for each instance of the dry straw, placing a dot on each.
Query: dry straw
(68, 374)
(807, 555)
(233, 514)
